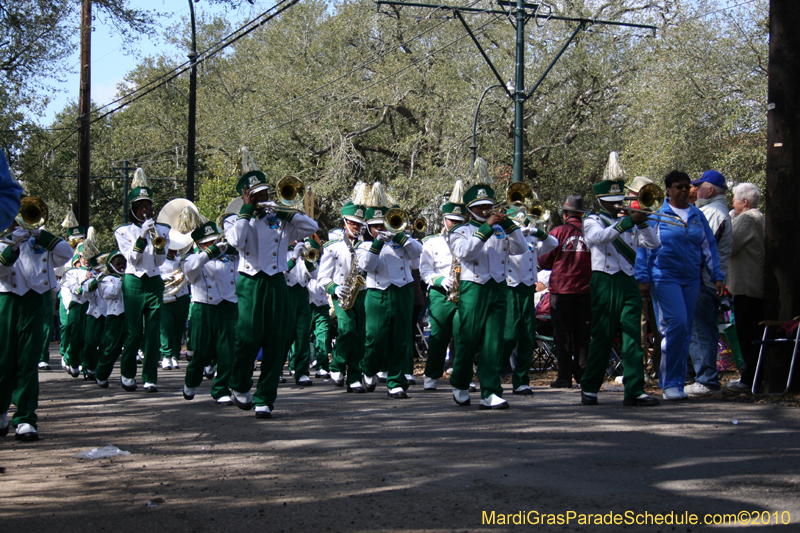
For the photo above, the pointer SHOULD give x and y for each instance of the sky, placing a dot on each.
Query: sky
(110, 62)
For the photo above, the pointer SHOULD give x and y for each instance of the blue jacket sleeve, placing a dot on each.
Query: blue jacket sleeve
(10, 192)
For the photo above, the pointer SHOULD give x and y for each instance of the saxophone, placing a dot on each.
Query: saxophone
(455, 274)
(354, 281)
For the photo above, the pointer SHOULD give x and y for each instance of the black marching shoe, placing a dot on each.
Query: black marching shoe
(641, 401)
(397, 393)
(561, 384)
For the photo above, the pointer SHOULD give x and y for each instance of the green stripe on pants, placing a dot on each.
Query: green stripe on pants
(443, 315)
(388, 323)
(262, 325)
(616, 305)
(114, 334)
(173, 324)
(213, 334)
(142, 298)
(481, 317)
(520, 328)
(21, 334)
(349, 350)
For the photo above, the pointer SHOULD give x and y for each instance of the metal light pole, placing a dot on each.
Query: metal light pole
(192, 111)
(473, 148)
(519, 89)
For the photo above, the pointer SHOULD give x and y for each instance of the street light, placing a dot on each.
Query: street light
(474, 146)
(192, 111)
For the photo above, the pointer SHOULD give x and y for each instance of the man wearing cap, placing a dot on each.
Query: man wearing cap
(483, 247)
(115, 329)
(174, 310)
(212, 275)
(389, 301)
(261, 233)
(75, 329)
(143, 288)
(299, 274)
(26, 273)
(521, 277)
(616, 302)
(335, 268)
(436, 270)
(711, 200)
(570, 264)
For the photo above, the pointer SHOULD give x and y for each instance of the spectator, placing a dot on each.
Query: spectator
(671, 273)
(711, 189)
(10, 192)
(570, 264)
(746, 277)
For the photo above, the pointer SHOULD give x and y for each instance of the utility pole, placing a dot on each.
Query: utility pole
(84, 114)
(782, 296)
(522, 12)
(126, 169)
(192, 111)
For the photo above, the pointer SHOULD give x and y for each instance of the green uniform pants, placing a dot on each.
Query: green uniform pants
(299, 326)
(142, 299)
(349, 350)
(91, 342)
(62, 319)
(616, 305)
(173, 324)
(443, 316)
(388, 323)
(481, 323)
(114, 334)
(320, 325)
(214, 334)
(75, 332)
(189, 342)
(520, 328)
(47, 330)
(21, 333)
(262, 326)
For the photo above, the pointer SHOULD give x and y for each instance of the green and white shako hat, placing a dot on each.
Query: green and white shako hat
(354, 212)
(313, 244)
(255, 180)
(139, 188)
(76, 232)
(374, 215)
(454, 211)
(111, 256)
(205, 233)
(78, 254)
(610, 190)
(479, 194)
(518, 216)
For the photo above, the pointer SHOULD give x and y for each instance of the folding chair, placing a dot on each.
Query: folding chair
(787, 327)
(544, 355)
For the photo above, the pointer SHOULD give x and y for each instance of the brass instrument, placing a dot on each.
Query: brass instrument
(310, 255)
(455, 273)
(421, 225)
(290, 192)
(354, 280)
(650, 197)
(176, 282)
(159, 242)
(518, 195)
(32, 213)
(395, 220)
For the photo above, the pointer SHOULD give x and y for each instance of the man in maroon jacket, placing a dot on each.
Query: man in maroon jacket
(570, 300)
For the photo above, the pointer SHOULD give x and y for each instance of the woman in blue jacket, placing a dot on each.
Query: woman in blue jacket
(672, 273)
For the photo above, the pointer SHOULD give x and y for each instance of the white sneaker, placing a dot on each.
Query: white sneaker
(473, 387)
(74, 372)
(188, 392)
(337, 378)
(493, 401)
(411, 379)
(524, 390)
(140, 357)
(224, 400)
(243, 401)
(674, 393)
(175, 364)
(370, 382)
(63, 364)
(698, 389)
(430, 383)
(150, 387)
(43, 366)
(382, 376)
(129, 384)
(322, 373)
(736, 385)
(461, 397)
(27, 433)
(262, 411)
(208, 372)
(166, 364)
(304, 381)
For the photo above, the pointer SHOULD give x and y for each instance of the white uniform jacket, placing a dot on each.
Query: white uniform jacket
(390, 263)
(317, 295)
(142, 258)
(436, 260)
(522, 268)
(299, 274)
(335, 265)
(73, 280)
(97, 306)
(110, 290)
(31, 266)
(601, 230)
(484, 251)
(263, 241)
(166, 270)
(212, 276)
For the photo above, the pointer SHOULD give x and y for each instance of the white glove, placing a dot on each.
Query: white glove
(35, 233)
(447, 283)
(20, 234)
(268, 207)
(147, 225)
(223, 247)
(528, 230)
(342, 291)
(299, 248)
(385, 236)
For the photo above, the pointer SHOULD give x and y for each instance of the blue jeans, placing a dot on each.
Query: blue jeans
(705, 338)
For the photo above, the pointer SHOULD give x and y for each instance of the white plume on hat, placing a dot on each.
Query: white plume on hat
(70, 221)
(378, 196)
(480, 173)
(189, 220)
(613, 170)
(360, 193)
(139, 179)
(90, 244)
(457, 196)
(246, 163)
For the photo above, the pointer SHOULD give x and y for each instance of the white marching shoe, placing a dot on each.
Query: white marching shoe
(493, 401)
(430, 383)
(461, 397)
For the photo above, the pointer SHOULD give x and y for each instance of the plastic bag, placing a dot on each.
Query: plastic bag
(100, 453)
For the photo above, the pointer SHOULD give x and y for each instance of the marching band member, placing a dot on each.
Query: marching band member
(320, 321)
(24, 278)
(483, 247)
(142, 286)
(109, 287)
(616, 302)
(337, 271)
(212, 275)
(389, 301)
(76, 312)
(439, 272)
(521, 313)
(298, 275)
(174, 310)
(95, 317)
(75, 237)
(261, 233)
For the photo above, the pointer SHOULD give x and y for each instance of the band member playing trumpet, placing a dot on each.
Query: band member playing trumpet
(483, 247)
(116, 329)
(261, 233)
(299, 272)
(174, 310)
(340, 275)
(95, 317)
(438, 271)
(143, 243)
(25, 252)
(78, 304)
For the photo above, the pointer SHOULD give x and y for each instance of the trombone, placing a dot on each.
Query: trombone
(289, 192)
(420, 225)
(650, 197)
(519, 195)
(395, 220)
(32, 215)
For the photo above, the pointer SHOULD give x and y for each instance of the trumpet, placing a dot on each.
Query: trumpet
(421, 225)
(290, 192)
(159, 242)
(518, 195)
(650, 197)
(32, 213)
(395, 220)
(310, 255)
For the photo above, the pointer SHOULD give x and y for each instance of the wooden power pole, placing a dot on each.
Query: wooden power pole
(84, 114)
(782, 296)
